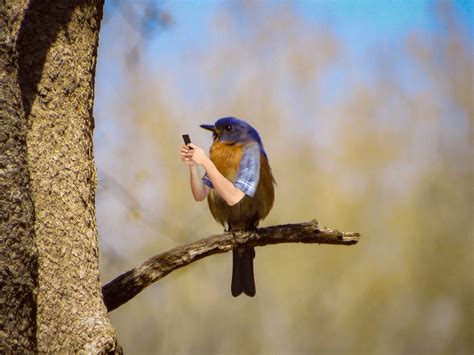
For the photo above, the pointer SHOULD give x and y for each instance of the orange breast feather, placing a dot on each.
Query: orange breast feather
(250, 210)
(226, 158)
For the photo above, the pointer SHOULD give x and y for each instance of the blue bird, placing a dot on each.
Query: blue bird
(237, 154)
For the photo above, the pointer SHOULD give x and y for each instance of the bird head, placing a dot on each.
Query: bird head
(231, 130)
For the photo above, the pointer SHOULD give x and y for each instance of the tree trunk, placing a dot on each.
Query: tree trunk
(49, 234)
(18, 253)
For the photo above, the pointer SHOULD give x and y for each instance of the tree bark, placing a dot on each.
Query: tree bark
(18, 253)
(128, 285)
(49, 236)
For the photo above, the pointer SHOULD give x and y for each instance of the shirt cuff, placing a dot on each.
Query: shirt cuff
(246, 187)
(207, 181)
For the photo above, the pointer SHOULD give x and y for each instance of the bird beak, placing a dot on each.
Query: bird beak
(209, 127)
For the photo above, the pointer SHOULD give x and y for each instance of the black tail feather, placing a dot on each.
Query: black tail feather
(248, 279)
(236, 287)
(243, 279)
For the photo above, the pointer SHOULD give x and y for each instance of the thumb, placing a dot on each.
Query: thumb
(192, 145)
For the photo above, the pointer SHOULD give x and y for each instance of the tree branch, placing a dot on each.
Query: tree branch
(128, 285)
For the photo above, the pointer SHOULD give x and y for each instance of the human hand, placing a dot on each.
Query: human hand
(186, 155)
(192, 156)
(198, 156)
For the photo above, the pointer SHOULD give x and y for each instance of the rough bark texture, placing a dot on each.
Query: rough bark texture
(128, 285)
(18, 254)
(49, 236)
(57, 47)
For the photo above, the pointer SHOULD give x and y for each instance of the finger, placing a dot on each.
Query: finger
(192, 145)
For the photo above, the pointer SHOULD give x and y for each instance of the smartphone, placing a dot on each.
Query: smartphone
(187, 140)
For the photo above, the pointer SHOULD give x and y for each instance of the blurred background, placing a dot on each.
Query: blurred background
(366, 111)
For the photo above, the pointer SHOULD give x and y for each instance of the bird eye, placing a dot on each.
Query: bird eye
(228, 128)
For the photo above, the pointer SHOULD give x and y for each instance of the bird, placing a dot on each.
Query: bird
(237, 152)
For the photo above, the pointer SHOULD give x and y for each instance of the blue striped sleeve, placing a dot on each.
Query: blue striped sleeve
(207, 181)
(249, 170)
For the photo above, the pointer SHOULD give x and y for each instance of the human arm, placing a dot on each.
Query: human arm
(198, 189)
(224, 187)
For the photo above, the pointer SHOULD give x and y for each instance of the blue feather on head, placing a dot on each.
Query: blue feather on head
(231, 130)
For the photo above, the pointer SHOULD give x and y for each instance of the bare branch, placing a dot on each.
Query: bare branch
(128, 285)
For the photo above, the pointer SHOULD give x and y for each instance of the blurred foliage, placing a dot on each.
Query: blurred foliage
(384, 149)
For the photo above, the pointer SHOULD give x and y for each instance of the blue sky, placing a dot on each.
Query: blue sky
(358, 22)
(359, 25)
